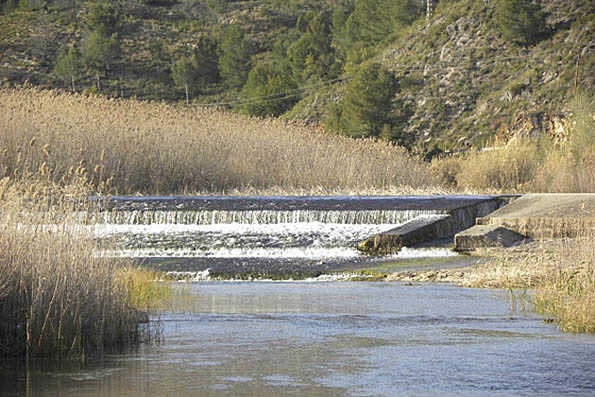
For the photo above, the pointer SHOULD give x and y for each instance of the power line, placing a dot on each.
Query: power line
(277, 96)
(395, 67)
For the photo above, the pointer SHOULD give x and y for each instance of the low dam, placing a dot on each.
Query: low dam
(268, 236)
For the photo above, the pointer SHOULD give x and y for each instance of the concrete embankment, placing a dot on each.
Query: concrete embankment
(532, 216)
(453, 214)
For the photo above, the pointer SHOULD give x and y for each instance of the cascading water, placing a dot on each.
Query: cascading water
(213, 217)
(250, 234)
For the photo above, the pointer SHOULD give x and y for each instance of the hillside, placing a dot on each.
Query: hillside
(459, 81)
(466, 85)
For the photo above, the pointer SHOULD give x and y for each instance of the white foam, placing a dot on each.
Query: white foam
(103, 230)
(190, 276)
(272, 253)
(411, 253)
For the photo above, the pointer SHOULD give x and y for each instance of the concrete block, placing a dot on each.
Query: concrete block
(483, 236)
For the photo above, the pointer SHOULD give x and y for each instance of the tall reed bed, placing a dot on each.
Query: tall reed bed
(58, 298)
(158, 148)
(559, 273)
(568, 294)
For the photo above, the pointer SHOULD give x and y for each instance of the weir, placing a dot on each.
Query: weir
(256, 217)
(279, 236)
(407, 220)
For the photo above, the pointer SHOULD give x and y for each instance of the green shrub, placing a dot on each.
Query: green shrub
(521, 21)
(269, 92)
(367, 110)
(104, 18)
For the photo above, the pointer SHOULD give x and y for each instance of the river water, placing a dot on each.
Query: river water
(311, 338)
(334, 339)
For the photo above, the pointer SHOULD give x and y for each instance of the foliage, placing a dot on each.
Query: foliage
(206, 60)
(468, 85)
(367, 107)
(312, 56)
(100, 52)
(373, 21)
(69, 67)
(104, 18)
(234, 56)
(520, 21)
(183, 73)
(269, 92)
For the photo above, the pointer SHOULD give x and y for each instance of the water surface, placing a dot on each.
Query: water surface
(342, 338)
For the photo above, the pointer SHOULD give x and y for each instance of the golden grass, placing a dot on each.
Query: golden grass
(560, 273)
(158, 148)
(58, 298)
(525, 165)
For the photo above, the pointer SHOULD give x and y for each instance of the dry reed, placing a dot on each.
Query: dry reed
(58, 298)
(560, 273)
(158, 148)
(525, 165)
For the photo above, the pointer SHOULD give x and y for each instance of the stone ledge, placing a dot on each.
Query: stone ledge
(484, 236)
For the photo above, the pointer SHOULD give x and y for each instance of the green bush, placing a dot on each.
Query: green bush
(234, 56)
(521, 21)
(269, 92)
(367, 110)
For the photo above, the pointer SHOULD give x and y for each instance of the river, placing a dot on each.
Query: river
(334, 338)
(306, 337)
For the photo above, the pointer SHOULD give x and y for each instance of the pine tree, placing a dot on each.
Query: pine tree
(101, 53)
(312, 56)
(104, 18)
(269, 92)
(234, 57)
(69, 67)
(521, 21)
(367, 109)
(206, 61)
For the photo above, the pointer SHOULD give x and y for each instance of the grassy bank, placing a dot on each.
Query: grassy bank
(560, 164)
(58, 298)
(560, 274)
(157, 148)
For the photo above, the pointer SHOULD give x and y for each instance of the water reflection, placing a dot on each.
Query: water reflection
(334, 339)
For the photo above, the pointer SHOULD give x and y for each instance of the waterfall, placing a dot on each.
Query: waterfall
(213, 217)
(232, 232)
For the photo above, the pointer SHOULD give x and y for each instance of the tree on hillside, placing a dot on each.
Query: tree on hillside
(101, 53)
(374, 20)
(104, 18)
(312, 56)
(206, 61)
(521, 21)
(367, 109)
(269, 91)
(69, 67)
(183, 73)
(234, 56)
(359, 25)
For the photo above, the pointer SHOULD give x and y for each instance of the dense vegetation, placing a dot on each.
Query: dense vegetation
(59, 299)
(468, 72)
(151, 148)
